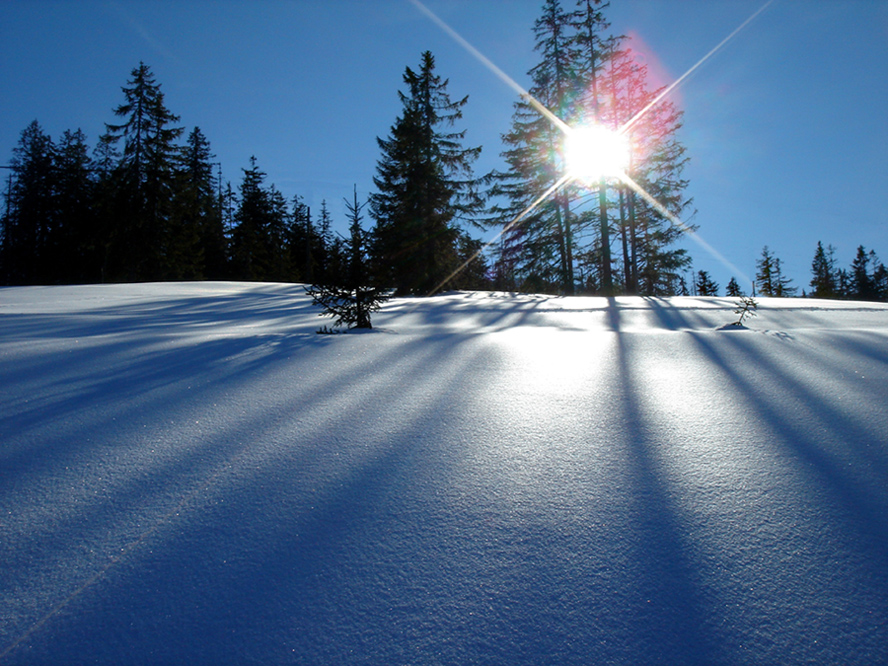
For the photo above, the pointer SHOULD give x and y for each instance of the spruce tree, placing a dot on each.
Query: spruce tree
(349, 295)
(861, 287)
(586, 77)
(425, 187)
(144, 181)
(77, 239)
(539, 249)
(764, 275)
(733, 288)
(28, 223)
(705, 285)
(261, 227)
(202, 245)
(824, 280)
(782, 284)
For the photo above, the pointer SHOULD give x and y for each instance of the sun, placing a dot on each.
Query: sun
(593, 152)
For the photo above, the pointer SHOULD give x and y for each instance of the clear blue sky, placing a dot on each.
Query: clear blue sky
(786, 126)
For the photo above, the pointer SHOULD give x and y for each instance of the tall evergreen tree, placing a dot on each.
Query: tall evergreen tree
(862, 287)
(824, 280)
(76, 242)
(29, 218)
(144, 181)
(201, 248)
(252, 237)
(425, 187)
(769, 277)
(594, 50)
(782, 284)
(764, 275)
(540, 249)
(586, 77)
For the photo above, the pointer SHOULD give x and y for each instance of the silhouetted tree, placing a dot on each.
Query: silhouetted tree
(539, 250)
(705, 285)
(258, 239)
(824, 281)
(733, 288)
(29, 217)
(425, 187)
(587, 77)
(862, 287)
(349, 296)
(144, 182)
(202, 247)
(764, 276)
(782, 284)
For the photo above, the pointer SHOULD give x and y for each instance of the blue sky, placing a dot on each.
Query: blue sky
(785, 126)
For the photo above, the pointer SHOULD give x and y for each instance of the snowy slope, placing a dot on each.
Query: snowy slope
(189, 474)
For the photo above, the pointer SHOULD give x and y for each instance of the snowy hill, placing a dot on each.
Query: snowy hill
(189, 474)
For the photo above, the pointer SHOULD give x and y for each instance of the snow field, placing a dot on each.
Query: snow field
(188, 473)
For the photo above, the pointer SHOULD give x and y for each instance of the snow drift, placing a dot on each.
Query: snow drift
(189, 474)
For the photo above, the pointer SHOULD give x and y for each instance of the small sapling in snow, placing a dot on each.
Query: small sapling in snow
(349, 297)
(745, 308)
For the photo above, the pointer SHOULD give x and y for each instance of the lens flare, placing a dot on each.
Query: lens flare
(593, 152)
(589, 159)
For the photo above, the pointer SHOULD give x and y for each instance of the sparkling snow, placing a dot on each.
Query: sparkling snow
(190, 474)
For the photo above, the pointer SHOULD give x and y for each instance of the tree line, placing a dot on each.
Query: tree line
(866, 279)
(143, 205)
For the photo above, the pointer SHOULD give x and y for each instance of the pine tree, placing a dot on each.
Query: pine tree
(861, 287)
(657, 162)
(586, 77)
(764, 276)
(349, 295)
(782, 283)
(824, 281)
(201, 248)
(29, 219)
(262, 224)
(76, 236)
(540, 247)
(733, 288)
(705, 285)
(144, 181)
(249, 236)
(425, 187)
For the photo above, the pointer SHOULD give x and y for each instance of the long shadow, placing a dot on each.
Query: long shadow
(677, 623)
(844, 487)
(186, 571)
(837, 476)
(315, 527)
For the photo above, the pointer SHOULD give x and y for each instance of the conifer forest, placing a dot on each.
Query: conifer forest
(147, 201)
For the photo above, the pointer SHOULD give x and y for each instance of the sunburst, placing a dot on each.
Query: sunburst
(592, 152)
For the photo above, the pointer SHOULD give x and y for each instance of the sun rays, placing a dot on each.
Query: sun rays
(591, 152)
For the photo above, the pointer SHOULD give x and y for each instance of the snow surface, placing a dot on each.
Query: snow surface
(189, 474)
